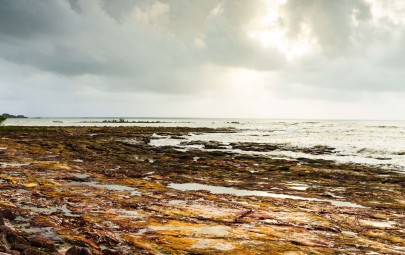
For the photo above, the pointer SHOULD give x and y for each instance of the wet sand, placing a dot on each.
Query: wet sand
(107, 189)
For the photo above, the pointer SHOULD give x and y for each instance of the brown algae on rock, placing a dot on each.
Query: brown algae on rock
(137, 198)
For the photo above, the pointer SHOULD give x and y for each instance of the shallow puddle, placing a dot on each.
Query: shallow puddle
(378, 224)
(176, 202)
(241, 192)
(208, 230)
(297, 186)
(49, 210)
(113, 187)
(125, 213)
(47, 232)
(81, 176)
(13, 164)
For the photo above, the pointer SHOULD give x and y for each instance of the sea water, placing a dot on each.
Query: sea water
(376, 143)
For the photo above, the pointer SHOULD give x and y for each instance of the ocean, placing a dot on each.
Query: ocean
(374, 143)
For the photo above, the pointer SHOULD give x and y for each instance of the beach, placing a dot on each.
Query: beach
(131, 190)
(161, 127)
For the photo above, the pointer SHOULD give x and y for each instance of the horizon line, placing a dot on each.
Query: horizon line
(218, 118)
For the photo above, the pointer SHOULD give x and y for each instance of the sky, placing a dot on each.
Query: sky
(283, 59)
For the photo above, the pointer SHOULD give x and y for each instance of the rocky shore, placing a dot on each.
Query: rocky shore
(107, 190)
(15, 242)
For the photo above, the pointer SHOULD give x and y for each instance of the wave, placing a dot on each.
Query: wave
(380, 152)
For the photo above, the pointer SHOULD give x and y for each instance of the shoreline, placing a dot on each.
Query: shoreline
(87, 186)
(372, 143)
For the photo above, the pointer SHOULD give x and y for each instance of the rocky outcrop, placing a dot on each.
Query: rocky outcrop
(13, 242)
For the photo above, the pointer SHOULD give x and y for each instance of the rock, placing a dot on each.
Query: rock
(5, 229)
(4, 245)
(33, 251)
(30, 184)
(12, 252)
(85, 251)
(1, 221)
(75, 250)
(111, 252)
(18, 240)
(10, 233)
(8, 214)
(42, 242)
(20, 247)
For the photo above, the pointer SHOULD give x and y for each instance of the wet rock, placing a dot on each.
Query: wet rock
(10, 234)
(196, 221)
(111, 252)
(42, 242)
(146, 140)
(85, 251)
(206, 144)
(18, 240)
(8, 214)
(4, 245)
(262, 147)
(177, 137)
(20, 247)
(33, 251)
(78, 179)
(315, 161)
(5, 229)
(75, 250)
(319, 150)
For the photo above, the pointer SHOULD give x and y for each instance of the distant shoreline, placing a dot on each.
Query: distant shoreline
(11, 116)
(206, 118)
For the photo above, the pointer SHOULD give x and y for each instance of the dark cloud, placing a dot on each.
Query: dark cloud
(188, 46)
(51, 36)
(26, 19)
(332, 23)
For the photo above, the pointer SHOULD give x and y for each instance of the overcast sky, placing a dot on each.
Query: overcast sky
(203, 58)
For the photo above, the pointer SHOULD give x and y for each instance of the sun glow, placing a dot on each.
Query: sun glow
(269, 33)
(242, 81)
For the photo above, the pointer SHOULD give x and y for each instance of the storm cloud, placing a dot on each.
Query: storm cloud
(152, 57)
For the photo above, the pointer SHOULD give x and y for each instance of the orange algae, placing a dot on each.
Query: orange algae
(83, 186)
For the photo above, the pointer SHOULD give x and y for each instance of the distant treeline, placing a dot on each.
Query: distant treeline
(10, 116)
(5, 116)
